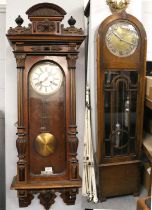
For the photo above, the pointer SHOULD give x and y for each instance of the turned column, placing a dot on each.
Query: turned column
(21, 142)
(72, 130)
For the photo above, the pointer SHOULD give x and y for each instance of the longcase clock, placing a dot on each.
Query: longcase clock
(121, 61)
(46, 55)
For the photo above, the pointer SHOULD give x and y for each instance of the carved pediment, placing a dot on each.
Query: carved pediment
(45, 19)
(45, 10)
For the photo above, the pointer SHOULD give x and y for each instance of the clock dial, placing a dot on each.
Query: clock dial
(46, 78)
(122, 39)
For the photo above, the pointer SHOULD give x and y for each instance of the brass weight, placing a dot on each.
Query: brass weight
(45, 144)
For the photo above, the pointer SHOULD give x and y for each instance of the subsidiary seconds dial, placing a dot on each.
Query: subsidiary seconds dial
(46, 78)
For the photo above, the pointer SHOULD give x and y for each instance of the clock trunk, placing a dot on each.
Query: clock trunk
(47, 114)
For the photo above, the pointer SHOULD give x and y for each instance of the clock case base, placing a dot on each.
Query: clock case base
(46, 191)
(114, 179)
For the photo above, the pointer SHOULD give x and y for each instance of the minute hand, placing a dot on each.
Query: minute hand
(121, 39)
(128, 42)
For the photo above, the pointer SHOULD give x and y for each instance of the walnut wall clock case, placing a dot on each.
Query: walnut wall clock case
(46, 55)
(121, 62)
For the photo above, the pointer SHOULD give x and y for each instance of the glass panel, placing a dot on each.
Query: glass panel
(120, 99)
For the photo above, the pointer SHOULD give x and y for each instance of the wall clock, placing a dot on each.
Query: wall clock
(46, 55)
(121, 62)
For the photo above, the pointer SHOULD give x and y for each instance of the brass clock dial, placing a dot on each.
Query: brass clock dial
(46, 78)
(122, 39)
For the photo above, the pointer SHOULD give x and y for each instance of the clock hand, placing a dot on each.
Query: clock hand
(53, 83)
(40, 82)
(121, 39)
(117, 35)
(128, 42)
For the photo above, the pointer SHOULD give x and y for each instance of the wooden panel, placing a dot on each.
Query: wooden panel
(56, 126)
(57, 123)
(119, 179)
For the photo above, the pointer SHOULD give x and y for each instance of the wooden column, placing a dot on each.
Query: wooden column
(21, 142)
(72, 130)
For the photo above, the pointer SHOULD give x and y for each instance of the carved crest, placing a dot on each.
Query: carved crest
(116, 6)
(46, 19)
(20, 30)
(71, 30)
(46, 26)
(53, 48)
(45, 10)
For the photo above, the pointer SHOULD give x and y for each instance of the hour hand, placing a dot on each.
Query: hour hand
(38, 83)
(117, 35)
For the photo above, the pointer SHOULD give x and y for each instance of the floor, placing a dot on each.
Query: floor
(118, 203)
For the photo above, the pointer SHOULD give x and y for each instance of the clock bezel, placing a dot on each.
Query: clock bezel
(37, 65)
(117, 53)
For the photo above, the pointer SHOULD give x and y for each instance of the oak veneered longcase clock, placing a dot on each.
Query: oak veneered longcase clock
(121, 61)
(46, 55)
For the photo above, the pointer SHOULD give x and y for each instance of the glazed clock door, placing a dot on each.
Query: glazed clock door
(47, 119)
(120, 108)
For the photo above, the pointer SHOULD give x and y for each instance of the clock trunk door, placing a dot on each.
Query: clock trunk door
(120, 108)
(46, 119)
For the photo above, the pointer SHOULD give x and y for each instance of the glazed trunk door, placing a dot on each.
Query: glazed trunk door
(47, 115)
(52, 111)
(120, 107)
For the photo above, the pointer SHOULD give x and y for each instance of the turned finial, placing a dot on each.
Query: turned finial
(19, 20)
(72, 21)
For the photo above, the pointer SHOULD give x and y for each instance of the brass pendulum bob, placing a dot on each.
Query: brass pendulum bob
(45, 144)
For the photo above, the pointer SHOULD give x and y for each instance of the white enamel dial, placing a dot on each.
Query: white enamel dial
(46, 78)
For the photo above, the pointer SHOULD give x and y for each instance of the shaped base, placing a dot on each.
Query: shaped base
(46, 191)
